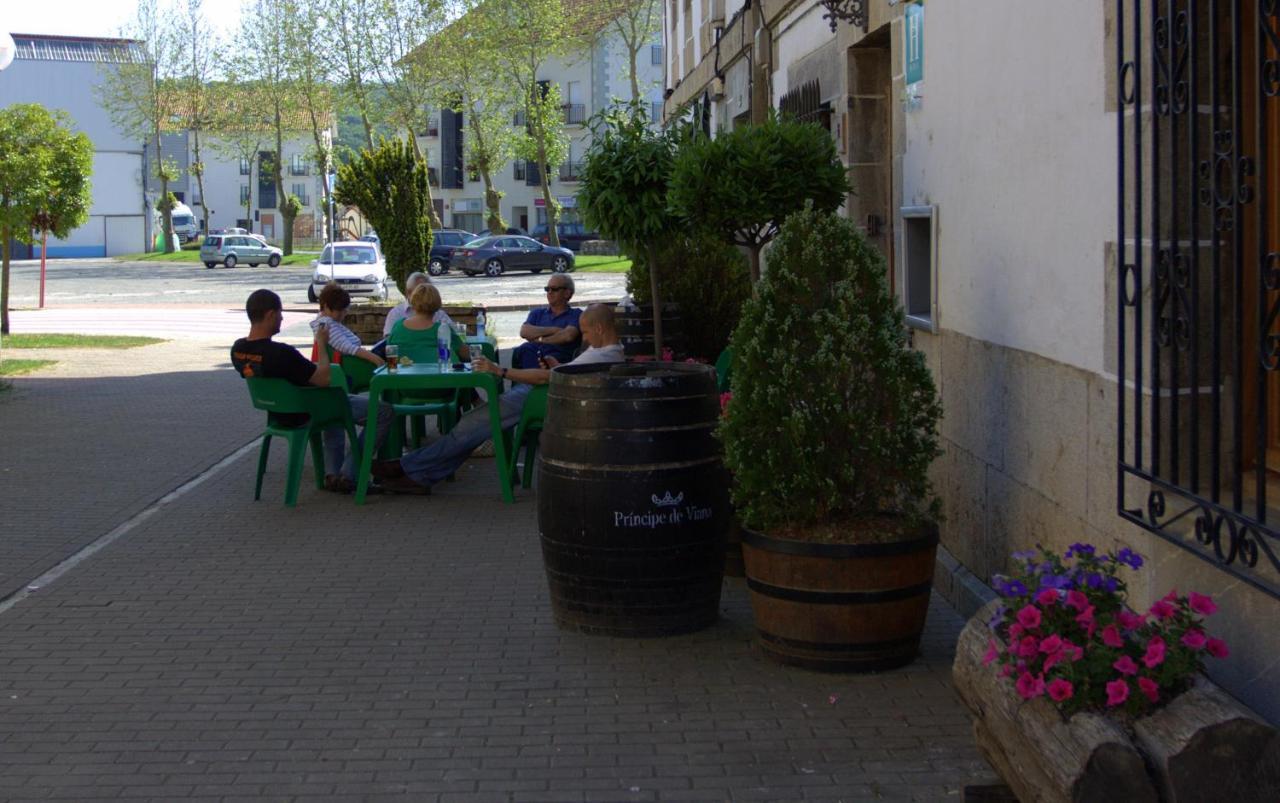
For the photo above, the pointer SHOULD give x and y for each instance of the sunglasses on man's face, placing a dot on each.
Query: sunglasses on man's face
(551, 289)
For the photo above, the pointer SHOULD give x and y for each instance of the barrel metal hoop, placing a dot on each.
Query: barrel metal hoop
(787, 546)
(713, 460)
(839, 597)
(839, 646)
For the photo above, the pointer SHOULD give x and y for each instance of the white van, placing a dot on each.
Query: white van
(184, 223)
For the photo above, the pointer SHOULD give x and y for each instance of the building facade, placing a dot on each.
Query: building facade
(589, 79)
(1077, 203)
(62, 72)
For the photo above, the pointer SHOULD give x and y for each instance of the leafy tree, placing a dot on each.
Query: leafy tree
(354, 56)
(636, 23)
(744, 183)
(548, 29)
(462, 61)
(196, 42)
(310, 67)
(265, 62)
(624, 190)
(389, 185)
(44, 181)
(241, 128)
(401, 26)
(834, 417)
(133, 91)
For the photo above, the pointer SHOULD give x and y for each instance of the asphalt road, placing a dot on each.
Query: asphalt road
(77, 282)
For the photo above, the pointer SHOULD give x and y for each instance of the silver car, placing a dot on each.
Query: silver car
(232, 249)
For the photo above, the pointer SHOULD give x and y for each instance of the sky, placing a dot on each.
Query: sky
(92, 17)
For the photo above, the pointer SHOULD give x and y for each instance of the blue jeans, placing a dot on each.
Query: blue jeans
(430, 464)
(335, 440)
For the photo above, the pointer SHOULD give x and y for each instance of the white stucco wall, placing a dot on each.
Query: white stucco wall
(800, 33)
(1022, 172)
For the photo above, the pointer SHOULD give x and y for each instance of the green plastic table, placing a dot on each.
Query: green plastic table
(423, 376)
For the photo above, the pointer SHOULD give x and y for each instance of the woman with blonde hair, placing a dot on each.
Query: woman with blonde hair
(417, 333)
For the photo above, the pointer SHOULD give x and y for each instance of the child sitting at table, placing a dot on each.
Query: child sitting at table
(334, 302)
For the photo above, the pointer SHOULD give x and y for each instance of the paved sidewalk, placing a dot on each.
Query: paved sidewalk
(226, 649)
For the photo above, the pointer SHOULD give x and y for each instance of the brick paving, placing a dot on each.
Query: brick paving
(232, 650)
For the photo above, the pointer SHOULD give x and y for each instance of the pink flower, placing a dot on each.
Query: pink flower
(1195, 639)
(1130, 621)
(1029, 617)
(1086, 616)
(1077, 599)
(1076, 652)
(1015, 631)
(1125, 666)
(1060, 689)
(1155, 653)
(1162, 609)
(1047, 597)
(1171, 597)
(1217, 648)
(1051, 645)
(1111, 636)
(993, 652)
(1030, 686)
(668, 355)
(1006, 671)
(1117, 692)
(1028, 647)
(1150, 688)
(1202, 604)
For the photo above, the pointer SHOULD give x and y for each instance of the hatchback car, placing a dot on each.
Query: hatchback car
(572, 235)
(494, 256)
(356, 266)
(443, 243)
(232, 249)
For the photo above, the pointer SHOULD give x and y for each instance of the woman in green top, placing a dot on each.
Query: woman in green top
(416, 334)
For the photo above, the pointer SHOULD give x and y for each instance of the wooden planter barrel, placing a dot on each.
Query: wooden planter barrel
(635, 328)
(632, 498)
(840, 607)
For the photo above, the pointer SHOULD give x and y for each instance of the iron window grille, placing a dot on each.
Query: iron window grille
(298, 165)
(574, 113)
(1198, 277)
(804, 104)
(571, 171)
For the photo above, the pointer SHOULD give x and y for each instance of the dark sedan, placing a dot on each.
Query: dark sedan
(494, 256)
(443, 243)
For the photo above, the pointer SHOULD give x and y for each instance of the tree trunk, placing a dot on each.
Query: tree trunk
(553, 216)
(204, 207)
(432, 217)
(755, 268)
(368, 127)
(632, 51)
(1204, 746)
(492, 197)
(282, 200)
(1041, 756)
(5, 236)
(656, 298)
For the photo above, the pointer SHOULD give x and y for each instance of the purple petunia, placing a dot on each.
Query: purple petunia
(1055, 581)
(1129, 558)
(1081, 549)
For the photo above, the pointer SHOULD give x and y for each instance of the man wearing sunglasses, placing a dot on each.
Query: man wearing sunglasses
(551, 331)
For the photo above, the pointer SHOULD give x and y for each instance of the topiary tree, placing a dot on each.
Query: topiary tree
(833, 416)
(624, 190)
(745, 182)
(389, 185)
(707, 278)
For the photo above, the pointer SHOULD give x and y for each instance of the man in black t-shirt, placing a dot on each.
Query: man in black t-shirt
(259, 356)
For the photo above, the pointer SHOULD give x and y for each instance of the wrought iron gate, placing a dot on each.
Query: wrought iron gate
(1198, 259)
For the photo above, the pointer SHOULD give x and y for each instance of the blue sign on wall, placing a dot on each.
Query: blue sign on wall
(914, 28)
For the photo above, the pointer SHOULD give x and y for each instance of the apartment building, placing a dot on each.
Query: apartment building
(1086, 260)
(589, 79)
(62, 72)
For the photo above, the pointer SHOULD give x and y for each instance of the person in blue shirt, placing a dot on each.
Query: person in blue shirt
(550, 331)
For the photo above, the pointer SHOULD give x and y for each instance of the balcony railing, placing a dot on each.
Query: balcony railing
(298, 169)
(571, 171)
(574, 113)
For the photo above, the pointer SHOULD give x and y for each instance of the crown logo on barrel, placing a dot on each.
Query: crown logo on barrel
(667, 501)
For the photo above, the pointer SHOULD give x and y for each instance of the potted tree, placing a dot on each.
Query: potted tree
(829, 433)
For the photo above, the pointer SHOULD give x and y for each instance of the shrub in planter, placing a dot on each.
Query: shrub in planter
(829, 432)
(703, 276)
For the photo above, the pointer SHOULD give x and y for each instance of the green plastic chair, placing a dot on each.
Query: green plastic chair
(326, 408)
(359, 372)
(527, 433)
(415, 407)
(724, 370)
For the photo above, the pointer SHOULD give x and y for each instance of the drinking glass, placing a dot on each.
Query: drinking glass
(393, 358)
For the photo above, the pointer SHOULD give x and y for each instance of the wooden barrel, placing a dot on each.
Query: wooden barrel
(635, 328)
(840, 607)
(632, 498)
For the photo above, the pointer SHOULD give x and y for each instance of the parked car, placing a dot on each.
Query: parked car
(572, 235)
(494, 256)
(232, 249)
(230, 230)
(443, 243)
(371, 237)
(356, 265)
(510, 230)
